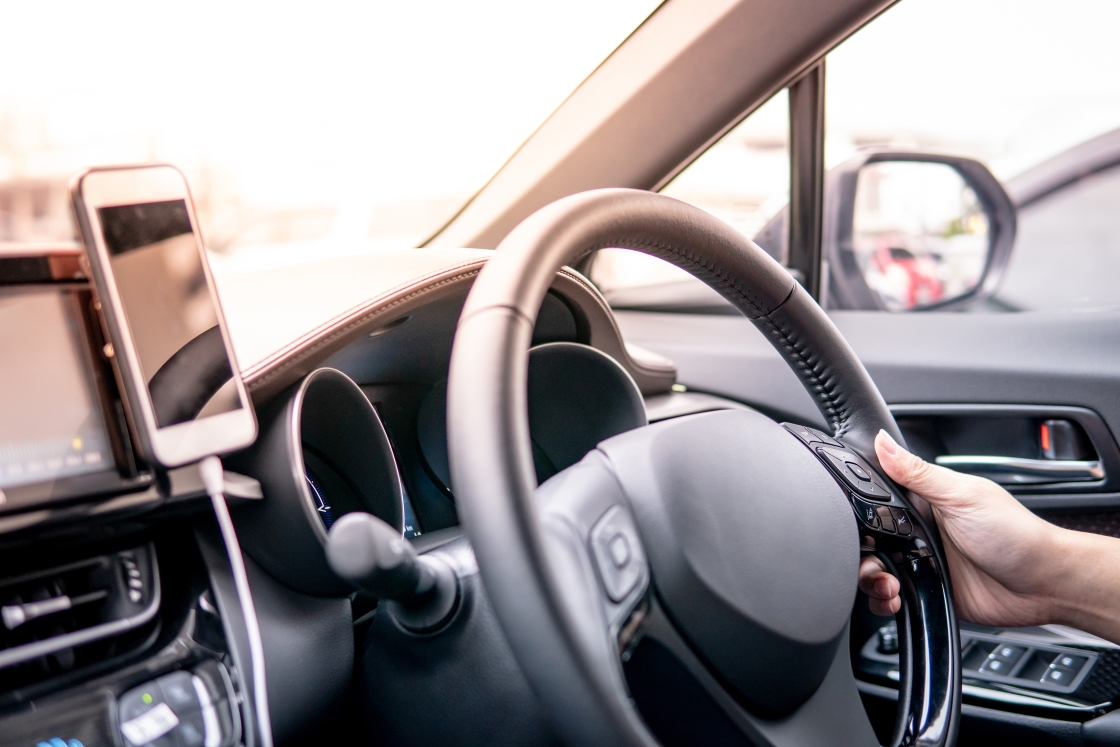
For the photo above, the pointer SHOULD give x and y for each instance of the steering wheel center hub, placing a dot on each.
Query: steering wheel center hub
(753, 547)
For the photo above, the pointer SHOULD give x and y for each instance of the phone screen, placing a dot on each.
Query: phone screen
(170, 309)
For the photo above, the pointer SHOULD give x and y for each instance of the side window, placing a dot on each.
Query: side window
(744, 180)
(1028, 90)
(1067, 254)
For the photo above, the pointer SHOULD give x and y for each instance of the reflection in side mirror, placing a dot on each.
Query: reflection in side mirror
(919, 233)
(910, 231)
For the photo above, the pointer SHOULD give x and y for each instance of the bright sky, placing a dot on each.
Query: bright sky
(284, 103)
(1009, 81)
(344, 105)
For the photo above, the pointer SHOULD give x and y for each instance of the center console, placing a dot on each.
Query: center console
(120, 625)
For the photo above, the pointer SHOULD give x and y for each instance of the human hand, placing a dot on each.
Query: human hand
(1000, 555)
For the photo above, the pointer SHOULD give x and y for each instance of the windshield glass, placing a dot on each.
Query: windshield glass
(304, 130)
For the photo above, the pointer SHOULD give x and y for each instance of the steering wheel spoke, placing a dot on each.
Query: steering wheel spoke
(585, 503)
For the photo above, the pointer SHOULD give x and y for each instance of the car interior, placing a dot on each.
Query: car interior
(502, 493)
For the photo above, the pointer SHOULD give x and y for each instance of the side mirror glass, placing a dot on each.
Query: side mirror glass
(919, 233)
(912, 231)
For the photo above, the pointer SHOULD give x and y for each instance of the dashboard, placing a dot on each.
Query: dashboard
(121, 617)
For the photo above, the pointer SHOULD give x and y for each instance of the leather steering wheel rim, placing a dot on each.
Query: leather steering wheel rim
(493, 475)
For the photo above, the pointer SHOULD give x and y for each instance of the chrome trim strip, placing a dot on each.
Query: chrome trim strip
(1019, 470)
(1041, 701)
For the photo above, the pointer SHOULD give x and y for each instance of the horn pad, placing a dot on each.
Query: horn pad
(753, 546)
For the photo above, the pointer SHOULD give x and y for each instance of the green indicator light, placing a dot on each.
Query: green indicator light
(146, 698)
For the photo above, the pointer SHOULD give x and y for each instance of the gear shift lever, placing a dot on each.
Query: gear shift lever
(372, 556)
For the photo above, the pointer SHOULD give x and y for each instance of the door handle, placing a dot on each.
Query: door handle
(1019, 471)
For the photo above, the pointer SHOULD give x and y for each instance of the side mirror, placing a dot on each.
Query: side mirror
(909, 231)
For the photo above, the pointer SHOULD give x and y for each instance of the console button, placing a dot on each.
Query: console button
(139, 700)
(886, 518)
(902, 523)
(178, 692)
(1003, 659)
(1056, 676)
(888, 639)
(996, 666)
(1007, 653)
(1069, 662)
(146, 718)
(192, 730)
(154, 727)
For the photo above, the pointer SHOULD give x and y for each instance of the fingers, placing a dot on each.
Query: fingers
(881, 587)
(928, 480)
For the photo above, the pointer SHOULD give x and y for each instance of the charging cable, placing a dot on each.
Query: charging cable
(213, 478)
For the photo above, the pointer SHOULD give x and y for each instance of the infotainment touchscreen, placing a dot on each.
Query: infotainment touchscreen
(51, 423)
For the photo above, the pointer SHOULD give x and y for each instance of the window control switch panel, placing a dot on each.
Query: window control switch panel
(1024, 664)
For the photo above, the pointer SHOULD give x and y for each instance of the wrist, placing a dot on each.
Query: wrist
(1060, 591)
(1082, 588)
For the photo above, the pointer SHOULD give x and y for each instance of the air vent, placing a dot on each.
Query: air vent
(50, 619)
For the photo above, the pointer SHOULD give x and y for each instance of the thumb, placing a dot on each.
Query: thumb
(934, 483)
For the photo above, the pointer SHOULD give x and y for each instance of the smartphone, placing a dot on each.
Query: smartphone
(168, 340)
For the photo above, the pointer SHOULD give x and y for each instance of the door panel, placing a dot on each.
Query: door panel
(1055, 359)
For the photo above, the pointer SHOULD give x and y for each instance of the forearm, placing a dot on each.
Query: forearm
(1085, 582)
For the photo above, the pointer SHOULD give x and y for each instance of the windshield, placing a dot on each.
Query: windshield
(304, 130)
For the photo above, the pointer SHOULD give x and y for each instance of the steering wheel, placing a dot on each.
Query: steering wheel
(705, 564)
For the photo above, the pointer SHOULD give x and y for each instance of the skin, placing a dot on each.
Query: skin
(1009, 567)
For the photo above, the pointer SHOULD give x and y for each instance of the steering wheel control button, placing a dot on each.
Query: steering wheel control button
(618, 553)
(871, 489)
(886, 518)
(842, 463)
(902, 523)
(858, 471)
(868, 513)
(811, 435)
